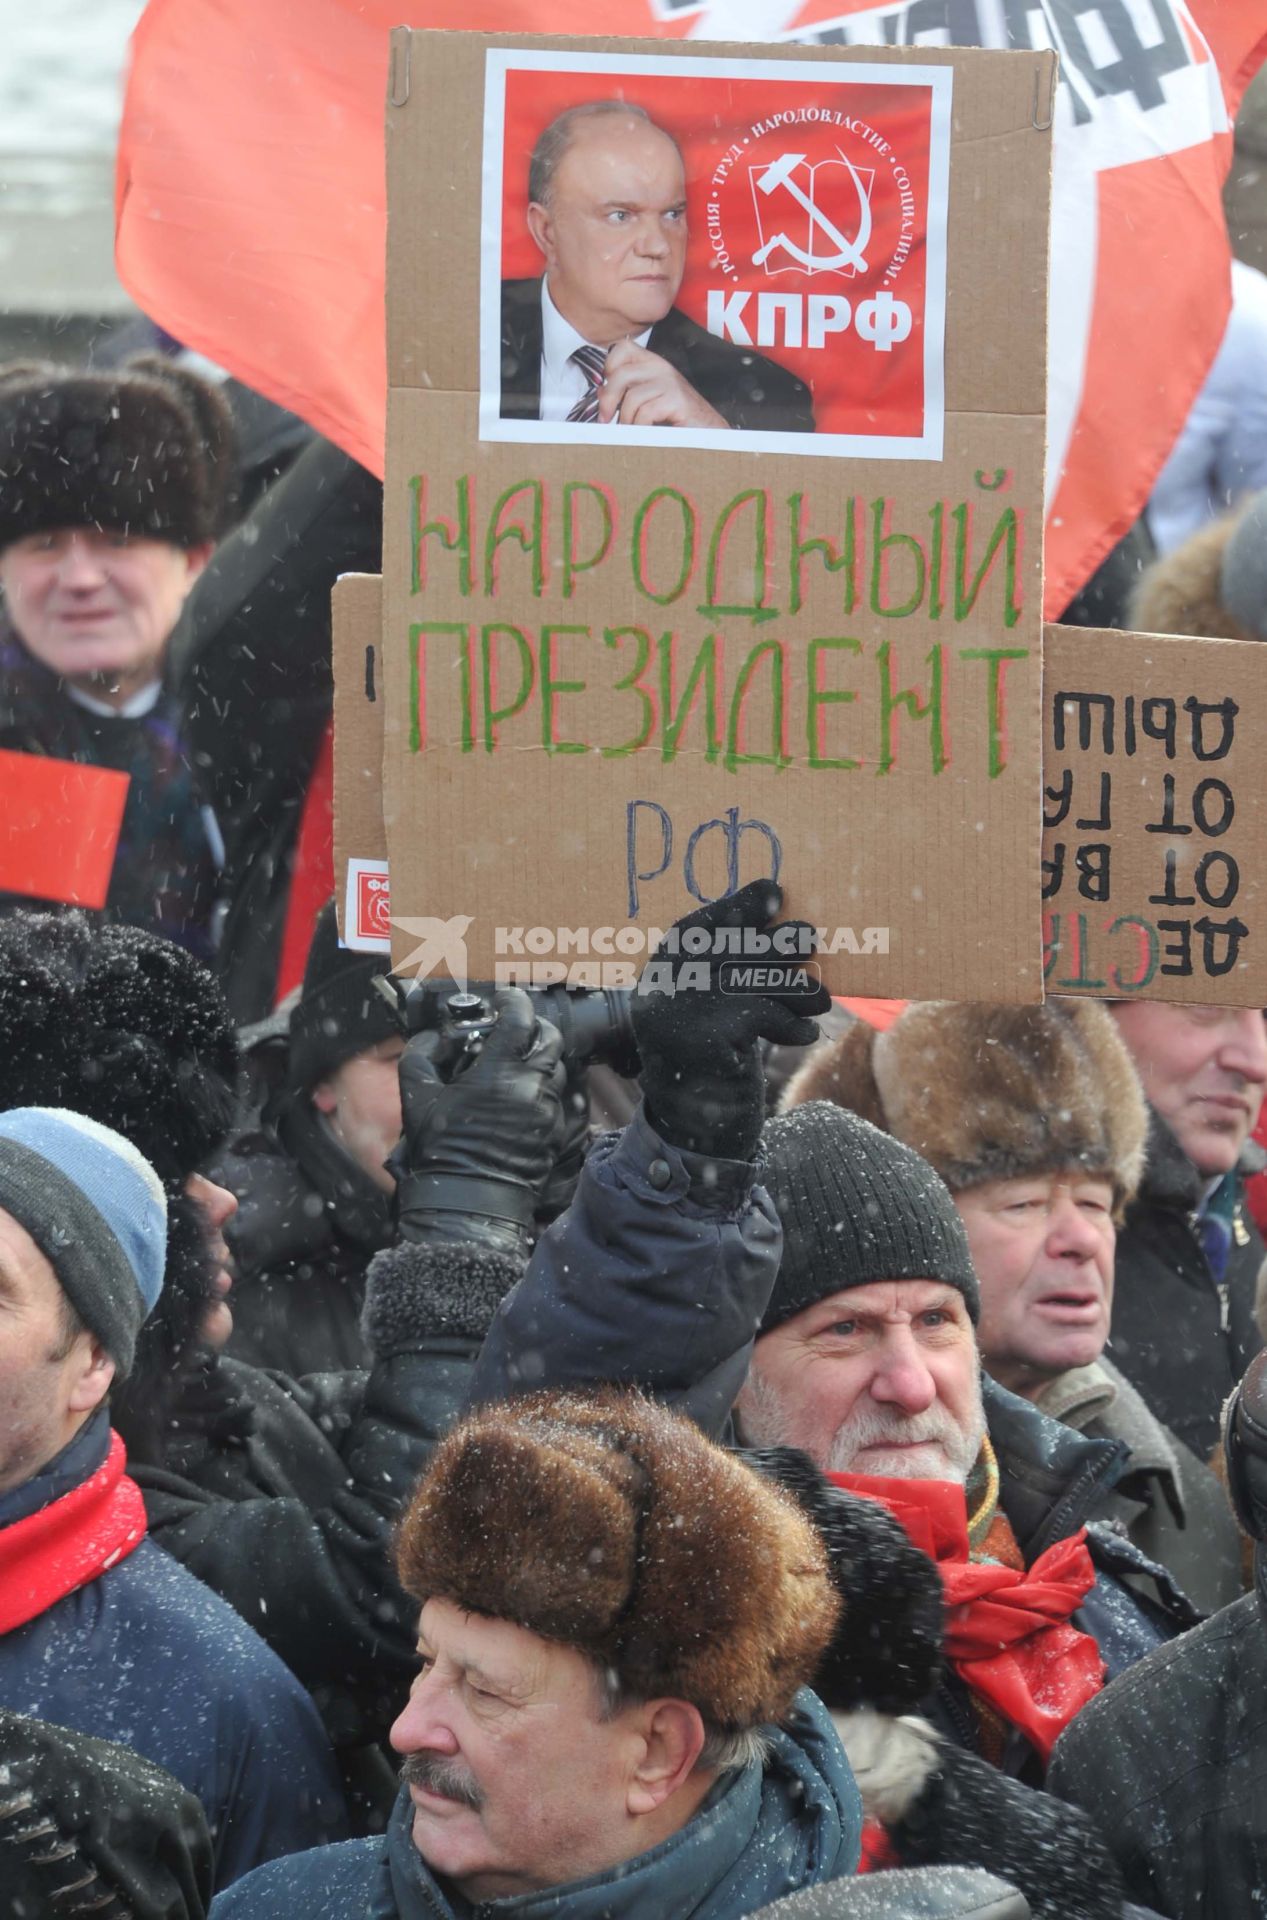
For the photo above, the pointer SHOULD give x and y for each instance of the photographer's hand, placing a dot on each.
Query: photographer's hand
(477, 1150)
(701, 1062)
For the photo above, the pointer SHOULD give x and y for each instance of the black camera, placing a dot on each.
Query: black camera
(595, 1022)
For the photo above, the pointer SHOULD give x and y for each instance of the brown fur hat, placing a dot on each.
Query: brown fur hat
(991, 1092)
(613, 1526)
(146, 449)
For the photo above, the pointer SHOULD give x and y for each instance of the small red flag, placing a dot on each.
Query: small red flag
(61, 828)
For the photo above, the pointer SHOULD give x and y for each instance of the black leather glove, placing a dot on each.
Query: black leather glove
(560, 1187)
(700, 1042)
(478, 1148)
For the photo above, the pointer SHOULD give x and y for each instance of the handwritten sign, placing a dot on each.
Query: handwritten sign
(631, 662)
(1155, 818)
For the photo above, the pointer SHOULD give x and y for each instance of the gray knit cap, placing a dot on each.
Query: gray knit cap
(96, 1210)
(857, 1206)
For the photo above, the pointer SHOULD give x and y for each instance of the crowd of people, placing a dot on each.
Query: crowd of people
(837, 1486)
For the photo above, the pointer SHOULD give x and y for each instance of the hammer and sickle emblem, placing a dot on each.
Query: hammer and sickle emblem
(849, 253)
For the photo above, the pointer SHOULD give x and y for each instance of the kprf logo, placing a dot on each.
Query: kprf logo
(805, 212)
(814, 220)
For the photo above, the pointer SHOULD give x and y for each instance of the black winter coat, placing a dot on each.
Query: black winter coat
(1171, 1762)
(280, 1494)
(84, 1814)
(1180, 1337)
(309, 1222)
(250, 665)
(166, 866)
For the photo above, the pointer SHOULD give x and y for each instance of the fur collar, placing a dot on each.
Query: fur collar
(1099, 1395)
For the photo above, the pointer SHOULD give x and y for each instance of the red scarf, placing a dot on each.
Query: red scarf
(70, 1541)
(1007, 1629)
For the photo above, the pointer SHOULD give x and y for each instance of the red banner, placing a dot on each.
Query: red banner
(251, 223)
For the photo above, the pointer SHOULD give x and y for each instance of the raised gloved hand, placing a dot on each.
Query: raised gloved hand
(699, 1032)
(478, 1148)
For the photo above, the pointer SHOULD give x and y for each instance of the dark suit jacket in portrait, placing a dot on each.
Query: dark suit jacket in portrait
(750, 393)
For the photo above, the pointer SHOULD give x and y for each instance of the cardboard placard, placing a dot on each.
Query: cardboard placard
(61, 828)
(1103, 852)
(1155, 817)
(360, 838)
(780, 617)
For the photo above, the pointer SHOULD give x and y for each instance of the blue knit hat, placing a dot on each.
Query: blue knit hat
(96, 1210)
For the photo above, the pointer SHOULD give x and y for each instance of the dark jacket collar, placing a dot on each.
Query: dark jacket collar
(359, 1210)
(1170, 1179)
(80, 1457)
(1050, 1477)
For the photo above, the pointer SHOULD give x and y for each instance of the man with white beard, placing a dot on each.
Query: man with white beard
(867, 1356)
(813, 1280)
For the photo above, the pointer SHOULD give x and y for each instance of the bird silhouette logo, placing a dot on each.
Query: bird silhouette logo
(441, 947)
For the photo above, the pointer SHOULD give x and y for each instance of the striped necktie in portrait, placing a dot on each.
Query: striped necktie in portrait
(593, 362)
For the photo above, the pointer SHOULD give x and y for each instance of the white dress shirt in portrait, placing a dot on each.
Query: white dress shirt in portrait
(562, 381)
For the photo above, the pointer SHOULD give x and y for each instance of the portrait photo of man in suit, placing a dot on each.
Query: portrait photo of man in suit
(597, 338)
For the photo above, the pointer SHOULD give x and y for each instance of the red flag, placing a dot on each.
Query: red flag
(250, 200)
(312, 876)
(61, 828)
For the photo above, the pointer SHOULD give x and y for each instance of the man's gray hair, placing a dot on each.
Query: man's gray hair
(555, 140)
(722, 1752)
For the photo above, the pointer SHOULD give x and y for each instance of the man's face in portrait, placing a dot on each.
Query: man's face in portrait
(612, 228)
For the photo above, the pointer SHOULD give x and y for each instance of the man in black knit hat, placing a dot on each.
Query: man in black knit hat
(114, 489)
(314, 1195)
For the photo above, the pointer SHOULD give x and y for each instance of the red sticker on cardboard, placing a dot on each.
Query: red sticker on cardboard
(367, 915)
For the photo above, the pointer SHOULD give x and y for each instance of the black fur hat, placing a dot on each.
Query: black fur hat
(118, 1024)
(147, 449)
